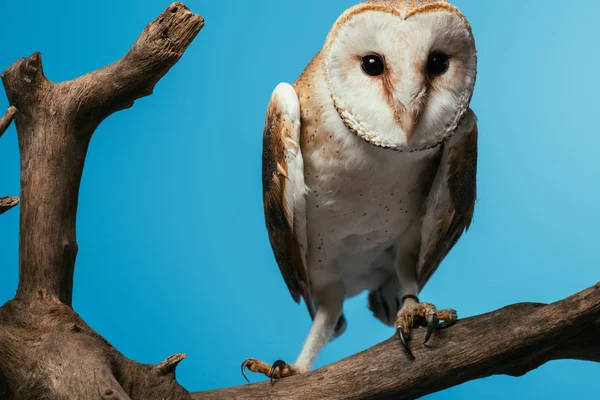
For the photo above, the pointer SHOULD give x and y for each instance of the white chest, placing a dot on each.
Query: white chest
(363, 201)
(364, 204)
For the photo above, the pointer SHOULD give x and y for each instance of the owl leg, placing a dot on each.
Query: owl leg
(324, 323)
(412, 313)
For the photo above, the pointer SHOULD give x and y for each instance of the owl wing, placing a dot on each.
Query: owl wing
(284, 191)
(451, 200)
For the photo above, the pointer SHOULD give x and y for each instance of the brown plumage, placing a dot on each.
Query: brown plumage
(278, 136)
(278, 216)
(458, 172)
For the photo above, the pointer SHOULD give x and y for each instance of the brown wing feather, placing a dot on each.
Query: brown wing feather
(451, 202)
(279, 215)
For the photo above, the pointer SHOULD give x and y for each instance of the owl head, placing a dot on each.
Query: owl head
(401, 73)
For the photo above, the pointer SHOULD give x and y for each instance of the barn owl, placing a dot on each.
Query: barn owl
(369, 168)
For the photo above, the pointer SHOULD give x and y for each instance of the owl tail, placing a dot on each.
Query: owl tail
(383, 302)
(340, 328)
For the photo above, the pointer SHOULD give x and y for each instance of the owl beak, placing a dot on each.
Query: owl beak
(408, 122)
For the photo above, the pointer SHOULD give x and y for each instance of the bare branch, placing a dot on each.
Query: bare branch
(8, 202)
(7, 119)
(54, 126)
(168, 366)
(46, 350)
(512, 341)
(115, 87)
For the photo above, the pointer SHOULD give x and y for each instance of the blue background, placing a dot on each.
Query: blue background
(174, 255)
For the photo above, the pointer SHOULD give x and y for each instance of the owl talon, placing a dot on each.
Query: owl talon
(422, 314)
(244, 366)
(279, 369)
(431, 326)
(404, 341)
(255, 365)
(252, 365)
(449, 317)
(446, 324)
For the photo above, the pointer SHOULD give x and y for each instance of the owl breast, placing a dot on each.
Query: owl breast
(365, 203)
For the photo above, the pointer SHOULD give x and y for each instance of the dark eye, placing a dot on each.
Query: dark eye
(437, 64)
(372, 65)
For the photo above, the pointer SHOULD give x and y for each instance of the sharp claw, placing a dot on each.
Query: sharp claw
(244, 366)
(446, 324)
(277, 365)
(430, 327)
(405, 343)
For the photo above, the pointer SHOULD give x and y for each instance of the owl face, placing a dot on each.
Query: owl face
(401, 73)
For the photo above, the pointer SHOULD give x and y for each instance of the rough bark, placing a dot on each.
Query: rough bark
(48, 352)
(511, 341)
(7, 119)
(7, 202)
(55, 123)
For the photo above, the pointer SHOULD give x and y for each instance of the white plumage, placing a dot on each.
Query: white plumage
(369, 167)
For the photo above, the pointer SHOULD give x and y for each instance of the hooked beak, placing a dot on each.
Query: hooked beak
(410, 102)
(408, 122)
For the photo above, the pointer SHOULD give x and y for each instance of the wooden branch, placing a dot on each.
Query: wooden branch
(46, 350)
(511, 341)
(7, 119)
(55, 124)
(168, 366)
(8, 202)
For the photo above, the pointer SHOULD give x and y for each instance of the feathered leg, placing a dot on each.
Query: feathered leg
(330, 302)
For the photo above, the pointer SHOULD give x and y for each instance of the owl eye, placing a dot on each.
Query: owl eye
(372, 65)
(437, 64)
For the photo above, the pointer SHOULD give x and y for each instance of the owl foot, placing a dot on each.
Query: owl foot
(415, 315)
(279, 369)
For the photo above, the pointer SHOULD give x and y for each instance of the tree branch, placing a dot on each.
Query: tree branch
(168, 366)
(46, 350)
(55, 124)
(511, 341)
(8, 202)
(7, 119)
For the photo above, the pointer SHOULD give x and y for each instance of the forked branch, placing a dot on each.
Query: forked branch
(55, 123)
(46, 350)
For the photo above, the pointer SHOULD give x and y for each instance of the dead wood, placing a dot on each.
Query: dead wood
(46, 350)
(7, 202)
(510, 341)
